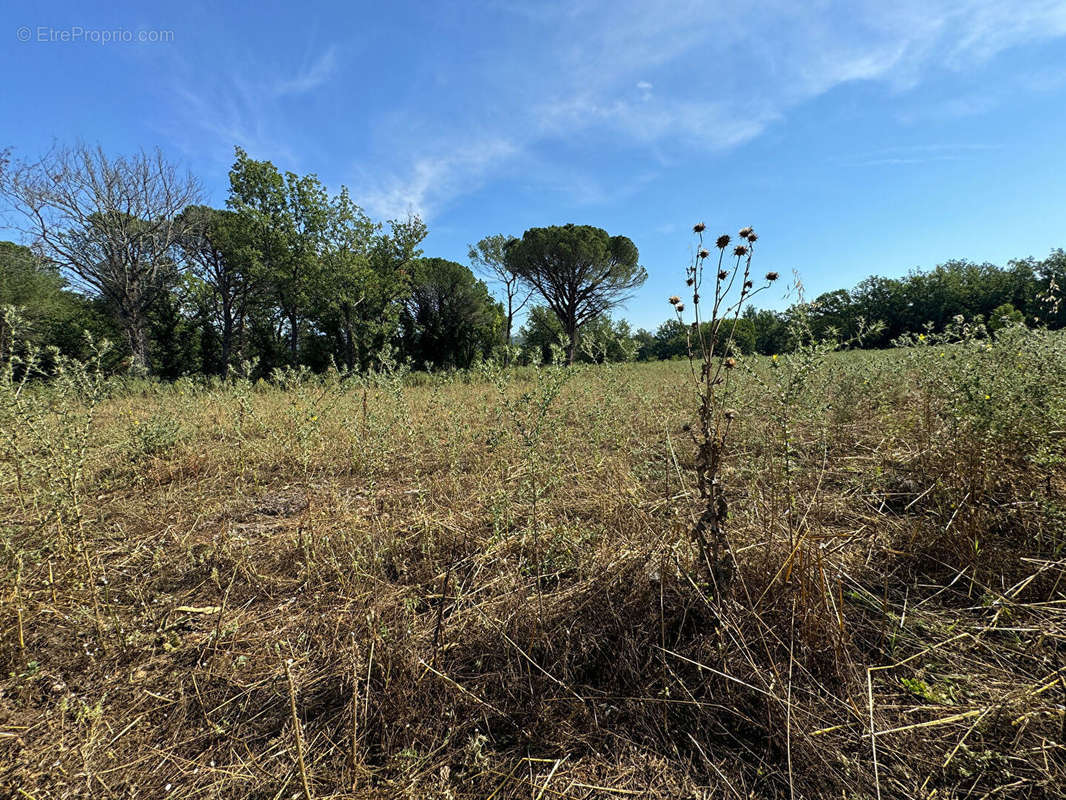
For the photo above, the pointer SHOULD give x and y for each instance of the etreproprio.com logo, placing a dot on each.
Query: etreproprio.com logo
(77, 34)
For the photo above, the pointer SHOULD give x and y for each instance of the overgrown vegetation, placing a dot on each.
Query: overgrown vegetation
(484, 583)
(292, 275)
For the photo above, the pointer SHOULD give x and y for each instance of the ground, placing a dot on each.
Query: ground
(483, 584)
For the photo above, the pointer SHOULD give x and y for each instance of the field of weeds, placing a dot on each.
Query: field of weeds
(484, 584)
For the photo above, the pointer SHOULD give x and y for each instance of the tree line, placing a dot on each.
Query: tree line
(288, 273)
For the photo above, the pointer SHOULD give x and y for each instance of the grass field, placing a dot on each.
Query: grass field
(484, 584)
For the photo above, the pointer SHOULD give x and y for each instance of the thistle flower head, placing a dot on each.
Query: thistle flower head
(772, 276)
(752, 237)
(745, 232)
(723, 274)
(679, 307)
(722, 242)
(704, 253)
(740, 250)
(730, 362)
(730, 414)
(690, 281)
(674, 300)
(699, 227)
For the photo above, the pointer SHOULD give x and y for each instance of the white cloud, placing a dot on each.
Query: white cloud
(658, 79)
(243, 104)
(713, 78)
(320, 71)
(431, 180)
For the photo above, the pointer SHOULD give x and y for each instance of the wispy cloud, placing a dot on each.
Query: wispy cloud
(652, 81)
(243, 103)
(714, 78)
(311, 78)
(917, 154)
(431, 180)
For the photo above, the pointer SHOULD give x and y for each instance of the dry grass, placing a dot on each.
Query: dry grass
(342, 591)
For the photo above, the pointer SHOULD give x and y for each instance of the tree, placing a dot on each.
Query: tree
(884, 300)
(834, 312)
(489, 257)
(671, 340)
(540, 332)
(352, 279)
(1004, 316)
(32, 285)
(741, 335)
(769, 329)
(672, 337)
(644, 341)
(579, 270)
(450, 319)
(51, 314)
(111, 223)
(393, 254)
(289, 217)
(605, 339)
(220, 249)
(1047, 306)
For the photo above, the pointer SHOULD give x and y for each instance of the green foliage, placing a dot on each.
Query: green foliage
(288, 216)
(221, 289)
(110, 222)
(290, 274)
(605, 340)
(449, 318)
(579, 271)
(770, 329)
(541, 332)
(315, 267)
(601, 339)
(955, 287)
(489, 257)
(671, 339)
(48, 429)
(1003, 316)
(51, 314)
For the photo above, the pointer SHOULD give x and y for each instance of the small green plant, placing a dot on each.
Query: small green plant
(529, 415)
(153, 435)
(48, 404)
(919, 688)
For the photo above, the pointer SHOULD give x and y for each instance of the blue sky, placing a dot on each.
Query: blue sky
(857, 138)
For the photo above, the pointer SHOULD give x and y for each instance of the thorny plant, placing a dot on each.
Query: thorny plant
(529, 414)
(967, 691)
(47, 432)
(47, 429)
(709, 344)
(240, 381)
(797, 386)
(1000, 395)
(379, 427)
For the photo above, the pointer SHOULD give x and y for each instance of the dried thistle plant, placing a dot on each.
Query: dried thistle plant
(711, 360)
